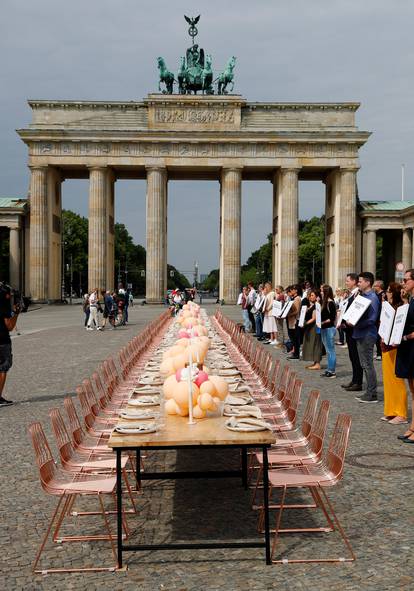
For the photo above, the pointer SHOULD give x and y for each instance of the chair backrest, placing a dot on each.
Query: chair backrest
(74, 423)
(90, 394)
(88, 415)
(285, 396)
(292, 411)
(100, 389)
(309, 413)
(338, 445)
(63, 440)
(43, 455)
(317, 435)
(282, 385)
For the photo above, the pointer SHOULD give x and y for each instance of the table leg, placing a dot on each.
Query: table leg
(138, 468)
(244, 467)
(266, 504)
(119, 505)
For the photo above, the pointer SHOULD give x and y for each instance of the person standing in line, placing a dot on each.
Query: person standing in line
(107, 307)
(379, 288)
(355, 385)
(8, 320)
(395, 394)
(312, 345)
(269, 322)
(280, 322)
(295, 294)
(245, 311)
(251, 298)
(339, 298)
(365, 334)
(404, 363)
(86, 309)
(258, 313)
(328, 329)
(93, 305)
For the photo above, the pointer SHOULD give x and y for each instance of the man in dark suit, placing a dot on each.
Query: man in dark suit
(355, 385)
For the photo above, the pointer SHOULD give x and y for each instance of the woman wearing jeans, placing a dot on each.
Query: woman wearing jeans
(328, 328)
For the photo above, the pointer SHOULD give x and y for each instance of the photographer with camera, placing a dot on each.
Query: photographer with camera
(9, 312)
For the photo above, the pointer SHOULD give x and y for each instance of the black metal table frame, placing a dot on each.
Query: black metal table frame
(192, 474)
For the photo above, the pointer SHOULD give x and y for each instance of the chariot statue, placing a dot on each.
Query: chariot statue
(195, 73)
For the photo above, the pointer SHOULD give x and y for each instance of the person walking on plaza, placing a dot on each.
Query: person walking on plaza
(312, 345)
(365, 334)
(85, 307)
(269, 322)
(93, 307)
(355, 385)
(107, 308)
(395, 394)
(8, 320)
(280, 322)
(328, 329)
(404, 363)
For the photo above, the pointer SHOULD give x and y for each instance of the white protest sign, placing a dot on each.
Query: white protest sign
(277, 309)
(318, 315)
(286, 309)
(356, 310)
(240, 299)
(302, 315)
(399, 323)
(386, 322)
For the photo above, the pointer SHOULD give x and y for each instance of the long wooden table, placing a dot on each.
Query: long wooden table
(178, 434)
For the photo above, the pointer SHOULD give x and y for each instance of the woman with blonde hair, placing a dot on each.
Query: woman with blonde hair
(269, 321)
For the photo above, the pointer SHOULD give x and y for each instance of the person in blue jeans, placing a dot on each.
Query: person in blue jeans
(328, 328)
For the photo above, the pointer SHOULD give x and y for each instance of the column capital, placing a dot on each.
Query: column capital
(97, 167)
(155, 168)
(232, 168)
(350, 168)
(286, 169)
(41, 167)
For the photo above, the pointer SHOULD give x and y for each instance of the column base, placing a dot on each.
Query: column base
(155, 301)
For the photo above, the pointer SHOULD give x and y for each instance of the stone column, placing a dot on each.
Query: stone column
(287, 226)
(407, 247)
(345, 226)
(156, 274)
(39, 234)
(370, 251)
(97, 251)
(230, 234)
(275, 238)
(14, 257)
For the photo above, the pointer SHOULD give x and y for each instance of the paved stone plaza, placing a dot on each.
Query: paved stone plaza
(53, 353)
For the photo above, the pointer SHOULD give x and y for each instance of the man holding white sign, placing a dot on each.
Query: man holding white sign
(355, 385)
(365, 334)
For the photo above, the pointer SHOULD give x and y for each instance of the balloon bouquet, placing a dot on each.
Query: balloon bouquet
(189, 389)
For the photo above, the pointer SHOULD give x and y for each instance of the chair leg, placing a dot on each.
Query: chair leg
(42, 545)
(278, 522)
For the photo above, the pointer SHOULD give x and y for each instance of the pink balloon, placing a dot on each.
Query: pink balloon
(201, 377)
(178, 375)
(183, 334)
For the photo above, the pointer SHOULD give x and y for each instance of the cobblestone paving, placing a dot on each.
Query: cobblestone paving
(54, 353)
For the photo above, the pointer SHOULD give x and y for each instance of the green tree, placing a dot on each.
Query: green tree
(75, 250)
(177, 279)
(311, 249)
(130, 260)
(211, 283)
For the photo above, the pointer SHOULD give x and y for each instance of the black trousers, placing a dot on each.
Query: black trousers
(294, 335)
(357, 373)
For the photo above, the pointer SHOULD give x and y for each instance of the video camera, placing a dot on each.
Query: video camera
(12, 299)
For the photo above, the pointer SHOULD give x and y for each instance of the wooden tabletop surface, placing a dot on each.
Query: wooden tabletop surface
(177, 432)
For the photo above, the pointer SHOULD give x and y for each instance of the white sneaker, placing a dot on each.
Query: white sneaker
(89, 328)
(99, 328)
(273, 342)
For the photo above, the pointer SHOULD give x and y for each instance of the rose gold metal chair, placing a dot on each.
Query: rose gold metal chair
(69, 486)
(316, 478)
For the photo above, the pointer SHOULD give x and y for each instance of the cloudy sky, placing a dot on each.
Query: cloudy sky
(287, 50)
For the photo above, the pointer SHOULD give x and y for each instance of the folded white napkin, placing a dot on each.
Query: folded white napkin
(247, 423)
(243, 411)
(144, 400)
(136, 429)
(237, 400)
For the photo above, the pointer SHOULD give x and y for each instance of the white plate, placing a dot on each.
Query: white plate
(143, 414)
(144, 401)
(151, 428)
(246, 429)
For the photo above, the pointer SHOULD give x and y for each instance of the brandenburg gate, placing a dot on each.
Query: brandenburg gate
(203, 137)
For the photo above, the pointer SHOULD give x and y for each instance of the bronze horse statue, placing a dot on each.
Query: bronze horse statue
(226, 77)
(166, 77)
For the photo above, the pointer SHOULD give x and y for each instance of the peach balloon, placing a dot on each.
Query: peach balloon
(181, 393)
(171, 407)
(183, 334)
(205, 401)
(221, 385)
(168, 386)
(183, 342)
(166, 367)
(208, 388)
(179, 361)
(198, 413)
